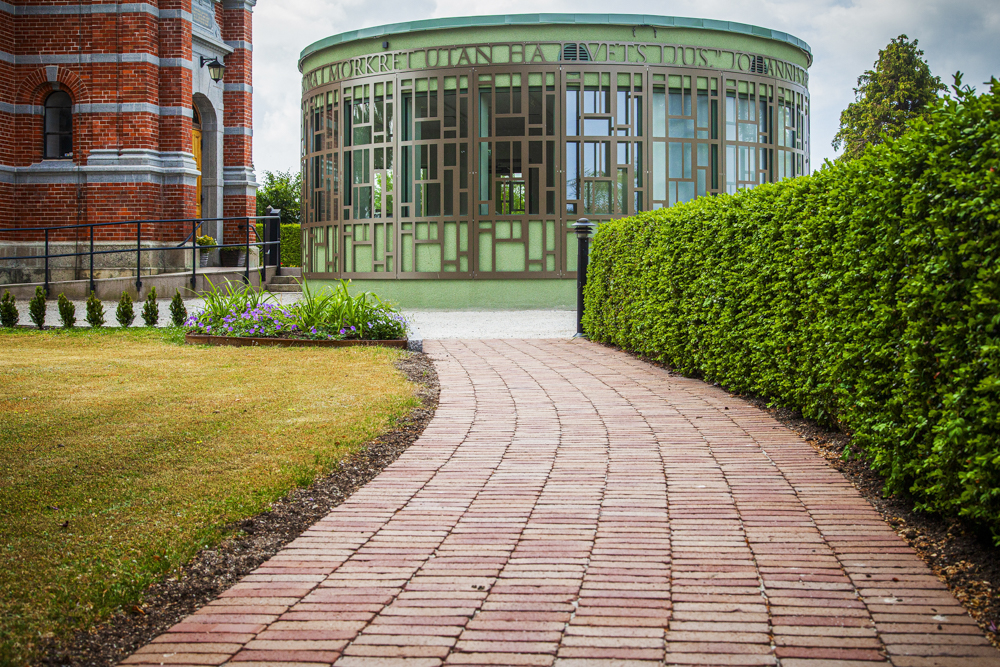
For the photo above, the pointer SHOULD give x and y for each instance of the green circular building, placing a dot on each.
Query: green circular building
(447, 159)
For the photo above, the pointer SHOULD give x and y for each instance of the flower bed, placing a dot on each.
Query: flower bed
(244, 316)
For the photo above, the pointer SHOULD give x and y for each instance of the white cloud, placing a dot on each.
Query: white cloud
(845, 36)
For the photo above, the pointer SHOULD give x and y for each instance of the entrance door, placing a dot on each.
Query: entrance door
(196, 148)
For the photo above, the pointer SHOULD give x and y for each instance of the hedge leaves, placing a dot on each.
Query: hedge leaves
(867, 295)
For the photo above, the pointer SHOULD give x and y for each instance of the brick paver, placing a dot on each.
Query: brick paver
(569, 505)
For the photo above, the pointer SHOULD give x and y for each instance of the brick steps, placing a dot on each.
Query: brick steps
(288, 281)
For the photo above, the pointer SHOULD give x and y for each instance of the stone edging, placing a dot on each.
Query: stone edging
(243, 341)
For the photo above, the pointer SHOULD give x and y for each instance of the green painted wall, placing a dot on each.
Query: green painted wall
(318, 54)
(467, 294)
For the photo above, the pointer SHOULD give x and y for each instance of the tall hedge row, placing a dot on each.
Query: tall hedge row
(865, 295)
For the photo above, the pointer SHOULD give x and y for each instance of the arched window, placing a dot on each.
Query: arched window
(58, 126)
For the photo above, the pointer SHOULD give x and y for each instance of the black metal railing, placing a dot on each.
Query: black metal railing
(268, 240)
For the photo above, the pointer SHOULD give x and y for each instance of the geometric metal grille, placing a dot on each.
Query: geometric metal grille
(480, 171)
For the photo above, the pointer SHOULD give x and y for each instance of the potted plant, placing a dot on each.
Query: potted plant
(203, 253)
(234, 256)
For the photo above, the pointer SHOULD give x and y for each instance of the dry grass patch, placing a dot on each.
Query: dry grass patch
(123, 453)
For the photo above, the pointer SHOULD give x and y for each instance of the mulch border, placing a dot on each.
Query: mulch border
(213, 571)
(248, 341)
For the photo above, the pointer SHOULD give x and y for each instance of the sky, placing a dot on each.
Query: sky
(845, 37)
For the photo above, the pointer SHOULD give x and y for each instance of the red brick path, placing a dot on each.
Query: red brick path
(570, 505)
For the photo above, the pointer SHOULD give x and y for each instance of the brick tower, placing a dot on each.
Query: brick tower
(108, 113)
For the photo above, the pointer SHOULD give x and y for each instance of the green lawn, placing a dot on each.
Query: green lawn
(148, 448)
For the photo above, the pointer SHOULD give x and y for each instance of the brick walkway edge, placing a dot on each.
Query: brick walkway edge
(569, 505)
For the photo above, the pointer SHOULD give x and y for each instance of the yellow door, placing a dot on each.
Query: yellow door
(196, 146)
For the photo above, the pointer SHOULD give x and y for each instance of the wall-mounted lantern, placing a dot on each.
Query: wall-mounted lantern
(216, 69)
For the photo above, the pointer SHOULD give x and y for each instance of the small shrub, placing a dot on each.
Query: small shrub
(95, 311)
(151, 311)
(178, 313)
(67, 312)
(36, 308)
(125, 313)
(8, 310)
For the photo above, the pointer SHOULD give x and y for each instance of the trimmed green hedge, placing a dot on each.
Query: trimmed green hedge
(865, 295)
(291, 245)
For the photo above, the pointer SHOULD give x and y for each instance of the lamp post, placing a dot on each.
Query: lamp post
(216, 69)
(584, 228)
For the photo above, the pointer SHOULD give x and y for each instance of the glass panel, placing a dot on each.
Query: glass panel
(731, 117)
(595, 100)
(622, 188)
(685, 191)
(622, 116)
(596, 156)
(597, 197)
(638, 167)
(572, 170)
(676, 164)
(510, 127)
(681, 128)
(535, 105)
(572, 110)
(659, 112)
(659, 170)
(485, 112)
(597, 127)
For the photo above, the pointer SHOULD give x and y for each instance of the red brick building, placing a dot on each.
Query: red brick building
(107, 113)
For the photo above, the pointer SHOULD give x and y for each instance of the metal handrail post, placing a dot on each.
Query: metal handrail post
(261, 257)
(46, 262)
(276, 220)
(138, 258)
(246, 264)
(194, 255)
(93, 283)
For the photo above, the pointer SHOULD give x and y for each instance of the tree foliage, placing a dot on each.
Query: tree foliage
(900, 88)
(867, 295)
(281, 190)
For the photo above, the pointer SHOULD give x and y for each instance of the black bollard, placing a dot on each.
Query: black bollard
(583, 228)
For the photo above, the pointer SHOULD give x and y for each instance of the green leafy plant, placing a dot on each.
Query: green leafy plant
(95, 311)
(876, 309)
(8, 310)
(178, 313)
(36, 308)
(320, 314)
(204, 240)
(125, 314)
(291, 245)
(232, 297)
(151, 311)
(312, 310)
(67, 312)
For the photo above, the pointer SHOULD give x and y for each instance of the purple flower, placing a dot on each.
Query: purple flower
(343, 331)
(278, 326)
(353, 329)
